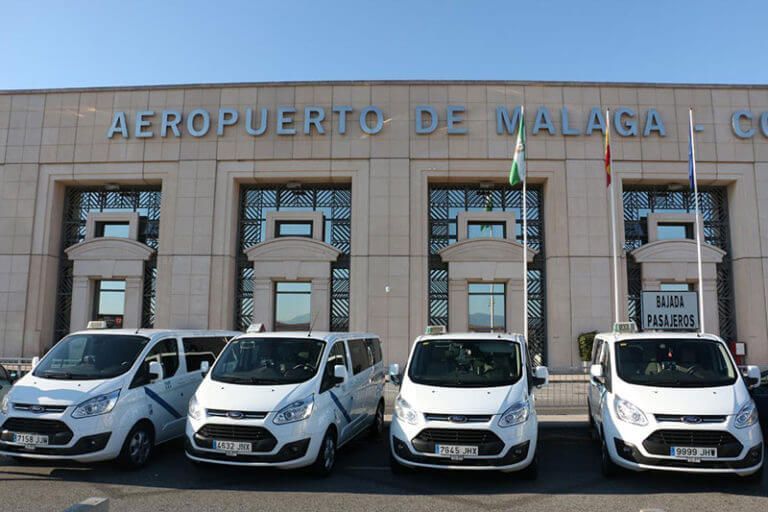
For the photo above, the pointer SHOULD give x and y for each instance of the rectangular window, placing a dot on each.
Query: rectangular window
(361, 354)
(113, 229)
(487, 307)
(676, 287)
(197, 350)
(374, 346)
(293, 306)
(165, 352)
(674, 230)
(109, 303)
(479, 229)
(337, 356)
(302, 228)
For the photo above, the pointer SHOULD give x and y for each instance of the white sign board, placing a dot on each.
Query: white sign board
(670, 311)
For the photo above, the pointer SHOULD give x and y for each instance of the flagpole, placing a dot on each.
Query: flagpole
(611, 192)
(699, 228)
(525, 256)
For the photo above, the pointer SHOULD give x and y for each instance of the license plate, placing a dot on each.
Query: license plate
(693, 454)
(232, 446)
(30, 439)
(456, 452)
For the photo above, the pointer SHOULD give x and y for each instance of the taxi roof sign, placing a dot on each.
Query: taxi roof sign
(96, 324)
(259, 327)
(624, 327)
(435, 329)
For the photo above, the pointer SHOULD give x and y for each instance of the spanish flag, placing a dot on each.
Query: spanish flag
(607, 148)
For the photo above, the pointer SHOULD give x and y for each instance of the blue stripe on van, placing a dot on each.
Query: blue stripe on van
(341, 407)
(165, 405)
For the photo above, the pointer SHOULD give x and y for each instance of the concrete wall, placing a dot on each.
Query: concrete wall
(51, 139)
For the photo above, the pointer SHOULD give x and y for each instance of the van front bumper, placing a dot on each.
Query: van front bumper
(503, 449)
(740, 450)
(289, 446)
(82, 440)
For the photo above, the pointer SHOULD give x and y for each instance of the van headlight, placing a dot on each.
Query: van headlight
(4, 405)
(516, 414)
(296, 411)
(97, 405)
(747, 415)
(195, 411)
(405, 412)
(627, 411)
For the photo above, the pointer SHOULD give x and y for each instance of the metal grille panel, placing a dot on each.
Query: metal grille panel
(445, 203)
(78, 202)
(335, 201)
(713, 203)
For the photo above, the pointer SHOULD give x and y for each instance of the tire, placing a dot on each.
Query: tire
(326, 456)
(609, 468)
(377, 428)
(395, 467)
(531, 472)
(138, 446)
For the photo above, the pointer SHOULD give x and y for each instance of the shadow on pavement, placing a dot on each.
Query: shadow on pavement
(569, 464)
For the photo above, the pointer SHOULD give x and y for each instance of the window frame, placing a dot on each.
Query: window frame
(275, 295)
(502, 295)
(279, 223)
(492, 224)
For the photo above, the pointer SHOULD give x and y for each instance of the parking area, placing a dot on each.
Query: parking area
(569, 480)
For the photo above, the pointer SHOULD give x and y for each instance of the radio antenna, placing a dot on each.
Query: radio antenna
(312, 324)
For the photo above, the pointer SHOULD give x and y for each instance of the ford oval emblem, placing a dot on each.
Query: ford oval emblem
(693, 420)
(235, 415)
(458, 419)
(36, 408)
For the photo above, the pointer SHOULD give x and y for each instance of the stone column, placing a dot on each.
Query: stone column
(134, 294)
(514, 309)
(263, 303)
(458, 305)
(82, 303)
(320, 304)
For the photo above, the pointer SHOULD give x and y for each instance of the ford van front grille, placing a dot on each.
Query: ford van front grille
(261, 439)
(691, 419)
(458, 418)
(39, 409)
(487, 442)
(236, 415)
(660, 441)
(57, 431)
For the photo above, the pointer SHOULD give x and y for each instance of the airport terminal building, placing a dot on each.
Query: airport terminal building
(378, 206)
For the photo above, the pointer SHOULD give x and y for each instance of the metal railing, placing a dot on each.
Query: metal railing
(17, 366)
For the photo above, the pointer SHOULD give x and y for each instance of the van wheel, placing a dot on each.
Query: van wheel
(326, 457)
(138, 446)
(531, 472)
(377, 428)
(609, 468)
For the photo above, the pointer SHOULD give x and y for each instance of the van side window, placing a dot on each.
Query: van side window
(361, 356)
(374, 347)
(197, 350)
(606, 362)
(596, 350)
(166, 353)
(337, 356)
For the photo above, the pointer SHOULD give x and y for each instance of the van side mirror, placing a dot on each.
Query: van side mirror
(596, 372)
(204, 367)
(340, 374)
(394, 374)
(35, 361)
(155, 371)
(540, 376)
(753, 377)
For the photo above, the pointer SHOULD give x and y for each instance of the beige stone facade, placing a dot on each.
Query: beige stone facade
(51, 140)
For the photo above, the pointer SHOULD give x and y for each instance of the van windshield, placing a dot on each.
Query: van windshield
(91, 356)
(268, 361)
(466, 363)
(676, 363)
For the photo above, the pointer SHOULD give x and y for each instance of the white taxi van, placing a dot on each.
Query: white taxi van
(467, 402)
(672, 401)
(287, 400)
(104, 394)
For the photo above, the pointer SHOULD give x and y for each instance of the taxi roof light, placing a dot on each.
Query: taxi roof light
(97, 324)
(258, 327)
(435, 329)
(625, 327)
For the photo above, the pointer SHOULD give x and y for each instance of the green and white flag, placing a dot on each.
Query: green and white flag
(517, 171)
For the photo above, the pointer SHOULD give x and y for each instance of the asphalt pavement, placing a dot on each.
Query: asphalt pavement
(569, 480)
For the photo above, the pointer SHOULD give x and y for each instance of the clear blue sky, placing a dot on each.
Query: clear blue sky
(69, 43)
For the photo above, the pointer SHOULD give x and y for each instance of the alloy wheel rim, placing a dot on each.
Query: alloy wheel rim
(139, 447)
(329, 454)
